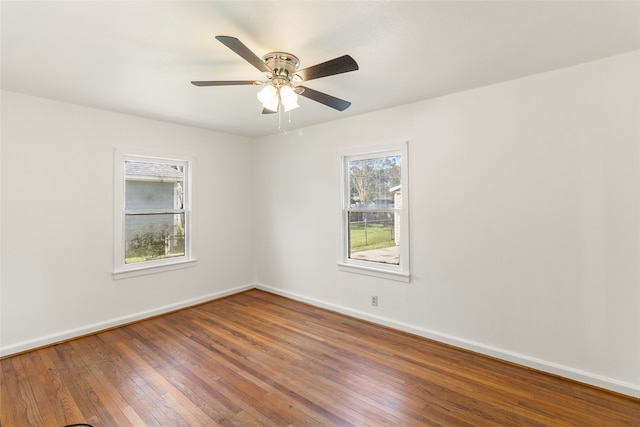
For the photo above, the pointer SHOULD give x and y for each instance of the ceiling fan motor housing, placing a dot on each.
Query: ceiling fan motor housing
(283, 64)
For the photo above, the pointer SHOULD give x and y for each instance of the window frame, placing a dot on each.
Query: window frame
(399, 272)
(120, 268)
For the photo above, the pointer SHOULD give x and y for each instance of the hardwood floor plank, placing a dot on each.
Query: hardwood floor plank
(67, 412)
(100, 395)
(151, 391)
(299, 409)
(42, 387)
(360, 380)
(13, 400)
(279, 353)
(257, 359)
(190, 369)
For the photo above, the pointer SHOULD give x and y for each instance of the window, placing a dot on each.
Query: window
(153, 215)
(374, 214)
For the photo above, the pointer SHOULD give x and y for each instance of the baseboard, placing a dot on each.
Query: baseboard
(101, 326)
(628, 389)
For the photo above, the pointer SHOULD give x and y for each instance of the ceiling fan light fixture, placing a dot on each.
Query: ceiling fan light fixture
(288, 98)
(268, 97)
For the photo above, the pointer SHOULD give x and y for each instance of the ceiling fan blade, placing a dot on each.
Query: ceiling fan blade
(239, 48)
(342, 64)
(226, 83)
(323, 98)
(266, 111)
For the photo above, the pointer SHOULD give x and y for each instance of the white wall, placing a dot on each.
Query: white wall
(57, 220)
(524, 220)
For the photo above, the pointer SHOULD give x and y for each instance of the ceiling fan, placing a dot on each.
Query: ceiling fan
(282, 77)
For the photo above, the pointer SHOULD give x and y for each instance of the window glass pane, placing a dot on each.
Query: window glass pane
(372, 181)
(374, 236)
(153, 185)
(157, 236)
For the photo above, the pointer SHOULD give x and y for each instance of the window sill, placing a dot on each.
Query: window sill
(398, 276)
(152, 269)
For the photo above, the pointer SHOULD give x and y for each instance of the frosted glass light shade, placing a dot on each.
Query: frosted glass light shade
(288, 98)
(268, 97)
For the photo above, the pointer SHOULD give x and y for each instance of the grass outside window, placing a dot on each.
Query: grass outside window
(365, 236)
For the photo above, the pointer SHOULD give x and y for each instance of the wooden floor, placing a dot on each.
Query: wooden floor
(256, 359)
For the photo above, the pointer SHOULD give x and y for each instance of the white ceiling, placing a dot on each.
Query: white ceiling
(139, 57)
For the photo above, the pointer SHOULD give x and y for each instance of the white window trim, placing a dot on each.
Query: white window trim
(122, 270)
(399, 272)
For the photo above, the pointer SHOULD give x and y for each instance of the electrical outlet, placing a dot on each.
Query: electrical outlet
(374, 300)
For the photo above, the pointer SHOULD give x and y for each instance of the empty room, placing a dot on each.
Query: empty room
(320, 213)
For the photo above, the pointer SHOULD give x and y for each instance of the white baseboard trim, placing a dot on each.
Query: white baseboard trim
(101, 326)
(628, 389)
